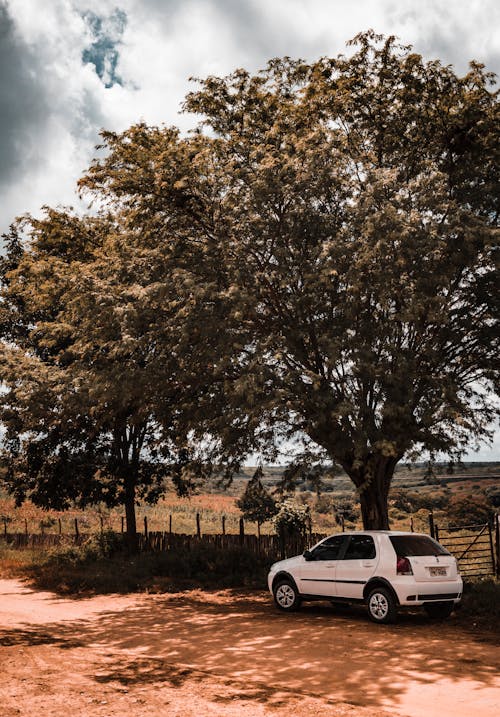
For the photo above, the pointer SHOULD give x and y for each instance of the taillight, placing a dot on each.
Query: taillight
(403, 566)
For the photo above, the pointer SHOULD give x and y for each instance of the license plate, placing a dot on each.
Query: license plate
(438, 571)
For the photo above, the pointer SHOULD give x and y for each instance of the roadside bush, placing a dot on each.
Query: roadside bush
(88, 569)
(481, 604)
(99, 546)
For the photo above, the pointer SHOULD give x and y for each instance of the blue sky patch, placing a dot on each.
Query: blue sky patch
(103, 52)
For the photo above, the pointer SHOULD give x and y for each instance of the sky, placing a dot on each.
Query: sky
(69, 68)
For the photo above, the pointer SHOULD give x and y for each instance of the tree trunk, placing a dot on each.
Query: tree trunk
(373, 481)
(130, 512)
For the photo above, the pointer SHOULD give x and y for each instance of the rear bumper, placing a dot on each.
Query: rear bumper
(419, 593)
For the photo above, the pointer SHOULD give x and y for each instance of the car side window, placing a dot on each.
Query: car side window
(361, 547)
(329, 549)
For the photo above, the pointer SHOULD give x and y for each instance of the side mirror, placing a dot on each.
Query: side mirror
(307, 555)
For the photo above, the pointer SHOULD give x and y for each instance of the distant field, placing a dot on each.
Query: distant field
(472, 478)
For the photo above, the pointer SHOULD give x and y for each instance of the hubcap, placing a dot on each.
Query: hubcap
(379, 607)
(285, 596)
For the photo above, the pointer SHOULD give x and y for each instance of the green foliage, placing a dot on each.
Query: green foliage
(102, 565)
(480, 605)
(256, 503)
(316, 265)
(291, 519)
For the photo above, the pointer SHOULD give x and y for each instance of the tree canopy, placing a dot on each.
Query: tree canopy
(108, 361)
(332, 228)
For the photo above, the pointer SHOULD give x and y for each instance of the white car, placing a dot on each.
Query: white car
(383, 569)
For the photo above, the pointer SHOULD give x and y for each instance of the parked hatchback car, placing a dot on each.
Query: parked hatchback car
(386, 570)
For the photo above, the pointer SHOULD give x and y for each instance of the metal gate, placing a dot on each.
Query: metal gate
(472, 546)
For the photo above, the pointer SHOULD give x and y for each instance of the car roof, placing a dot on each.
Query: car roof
(380, 532)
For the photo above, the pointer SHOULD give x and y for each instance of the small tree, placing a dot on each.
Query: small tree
(256, 503)
(292, 520)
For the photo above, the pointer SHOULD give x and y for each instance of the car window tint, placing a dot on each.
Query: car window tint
(330, 548)
(414, 545)
(361, 547)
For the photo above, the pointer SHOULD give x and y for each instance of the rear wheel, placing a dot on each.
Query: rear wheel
(439, 610)
(381, 606)
(286, 595)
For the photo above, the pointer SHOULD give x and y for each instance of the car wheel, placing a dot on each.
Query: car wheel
(381, 606)
(286, 595)
(439, 610)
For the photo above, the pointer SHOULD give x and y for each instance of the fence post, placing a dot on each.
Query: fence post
(242, 530)
(77, 533)
(436, 532)
(26, 527)
(223, 525)
(59, 525)
(145, 527)
(497, 543)
(198, 526)
(5, 527)
(342, 523)
(411, 525)
(102, 523)
(170, 523)
(431, 524)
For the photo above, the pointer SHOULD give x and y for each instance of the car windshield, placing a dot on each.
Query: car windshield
(414, 545)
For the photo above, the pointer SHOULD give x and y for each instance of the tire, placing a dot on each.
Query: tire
(382, 606)
(439, 610)
(286, 595)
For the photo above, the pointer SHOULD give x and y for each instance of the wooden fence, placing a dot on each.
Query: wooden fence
(269, 547)
(476, 547)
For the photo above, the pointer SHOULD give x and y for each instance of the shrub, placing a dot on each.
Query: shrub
(493, 495)
(291, 520)
(347, 509)
(89, 568)
(469, 509)
(481, 603)
(324, 504)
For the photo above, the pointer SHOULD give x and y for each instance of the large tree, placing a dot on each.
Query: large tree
(108, 362)
(360, 223)
(343, 217)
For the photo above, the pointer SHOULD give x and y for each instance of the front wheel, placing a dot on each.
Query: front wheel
(286, 595)
(439, 610)
(382, 606)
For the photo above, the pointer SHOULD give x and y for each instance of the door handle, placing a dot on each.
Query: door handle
(368, 564)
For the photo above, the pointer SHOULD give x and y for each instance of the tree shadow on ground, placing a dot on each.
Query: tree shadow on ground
(319, 650)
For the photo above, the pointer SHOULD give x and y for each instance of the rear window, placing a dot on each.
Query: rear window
(413, 545)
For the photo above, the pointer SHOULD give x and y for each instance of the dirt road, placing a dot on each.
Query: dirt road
(227, 655)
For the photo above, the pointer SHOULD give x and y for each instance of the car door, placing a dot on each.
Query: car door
(317, 574)
(356, 567)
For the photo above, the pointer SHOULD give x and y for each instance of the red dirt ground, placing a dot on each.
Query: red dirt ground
(230, 654)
